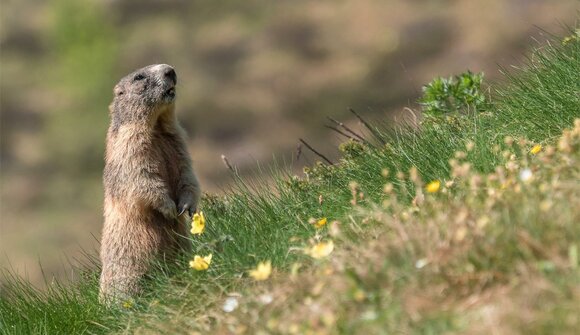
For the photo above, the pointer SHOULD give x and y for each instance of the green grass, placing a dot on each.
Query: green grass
(260, 221)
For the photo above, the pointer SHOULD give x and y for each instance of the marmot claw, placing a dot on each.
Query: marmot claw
(186, 207)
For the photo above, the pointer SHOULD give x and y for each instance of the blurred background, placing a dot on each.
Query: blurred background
(253, 77)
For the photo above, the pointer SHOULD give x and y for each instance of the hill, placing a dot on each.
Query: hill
(463, 222)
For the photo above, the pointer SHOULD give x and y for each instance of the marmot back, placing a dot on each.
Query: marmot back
(149, 183)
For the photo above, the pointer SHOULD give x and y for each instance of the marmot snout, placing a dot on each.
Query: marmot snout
(148, 180)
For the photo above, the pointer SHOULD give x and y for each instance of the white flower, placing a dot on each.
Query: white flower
(526, 175)
(230, 304)
(265, 299)
(421, 263)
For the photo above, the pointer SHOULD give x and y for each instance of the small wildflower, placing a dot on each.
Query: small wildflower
(572, 38)
(353, 185)
(328, 271)
(385, 173)
(328, 319)
(433, 187)
(567, 40)
(359, 295)
(200, 263)
(128, 304)
(508, 140)
(460, 234)
(482, 222)
(512, 166)
(317, 289)
(369, 315)
(265, 298)
(230, 304)
(334, 228)
(419, 264)
(320, 223)
(419, 198)
(460, 155)
(320, 250)
(414, 174)
(565, 143)
(262, 271)
(536, 149)
(293, 329)
(526, 175)
(388, 188)
(198, 223)
(546, 205)
(469, 145)
(272, 324)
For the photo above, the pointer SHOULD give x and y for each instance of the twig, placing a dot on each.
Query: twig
(348, 129)
(227, 163)
(316, 152)
(298, 151)
(342, 133)
(372, 130)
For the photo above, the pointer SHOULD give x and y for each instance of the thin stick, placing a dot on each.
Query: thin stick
(348, 129)
(316, 152)
(343, 133)
(372, 130)
(227, 163)
(298, 151)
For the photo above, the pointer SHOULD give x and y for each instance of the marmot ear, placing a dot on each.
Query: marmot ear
(118, 90)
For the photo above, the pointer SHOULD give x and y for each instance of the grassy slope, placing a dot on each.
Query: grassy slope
(253, 223)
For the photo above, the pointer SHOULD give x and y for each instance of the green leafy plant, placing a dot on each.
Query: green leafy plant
(454, 94)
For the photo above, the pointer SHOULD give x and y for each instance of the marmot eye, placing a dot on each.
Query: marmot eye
(139, 77)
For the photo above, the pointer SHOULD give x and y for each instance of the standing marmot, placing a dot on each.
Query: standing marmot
(148, 179)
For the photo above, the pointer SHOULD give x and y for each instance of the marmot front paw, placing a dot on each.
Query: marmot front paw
(168, 209)
(186, 204)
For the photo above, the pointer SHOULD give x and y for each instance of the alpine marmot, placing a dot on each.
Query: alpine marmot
(148, 179)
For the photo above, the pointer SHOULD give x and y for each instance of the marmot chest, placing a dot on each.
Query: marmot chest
(166, 150)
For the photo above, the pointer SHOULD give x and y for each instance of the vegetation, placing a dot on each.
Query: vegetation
(366, 245)
(452, 95)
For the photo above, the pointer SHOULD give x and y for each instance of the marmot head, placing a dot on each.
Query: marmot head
(144, 94)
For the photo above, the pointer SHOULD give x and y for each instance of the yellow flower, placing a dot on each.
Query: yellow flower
(433, 187)
(535, 149)
(262, 271)
(320, 223)
(320, 250)
(198, 223)
(200, 263)
(128, 304)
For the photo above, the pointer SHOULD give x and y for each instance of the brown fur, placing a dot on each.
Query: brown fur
(148, 180)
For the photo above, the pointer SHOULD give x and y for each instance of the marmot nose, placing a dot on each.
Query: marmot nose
(169, 72)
